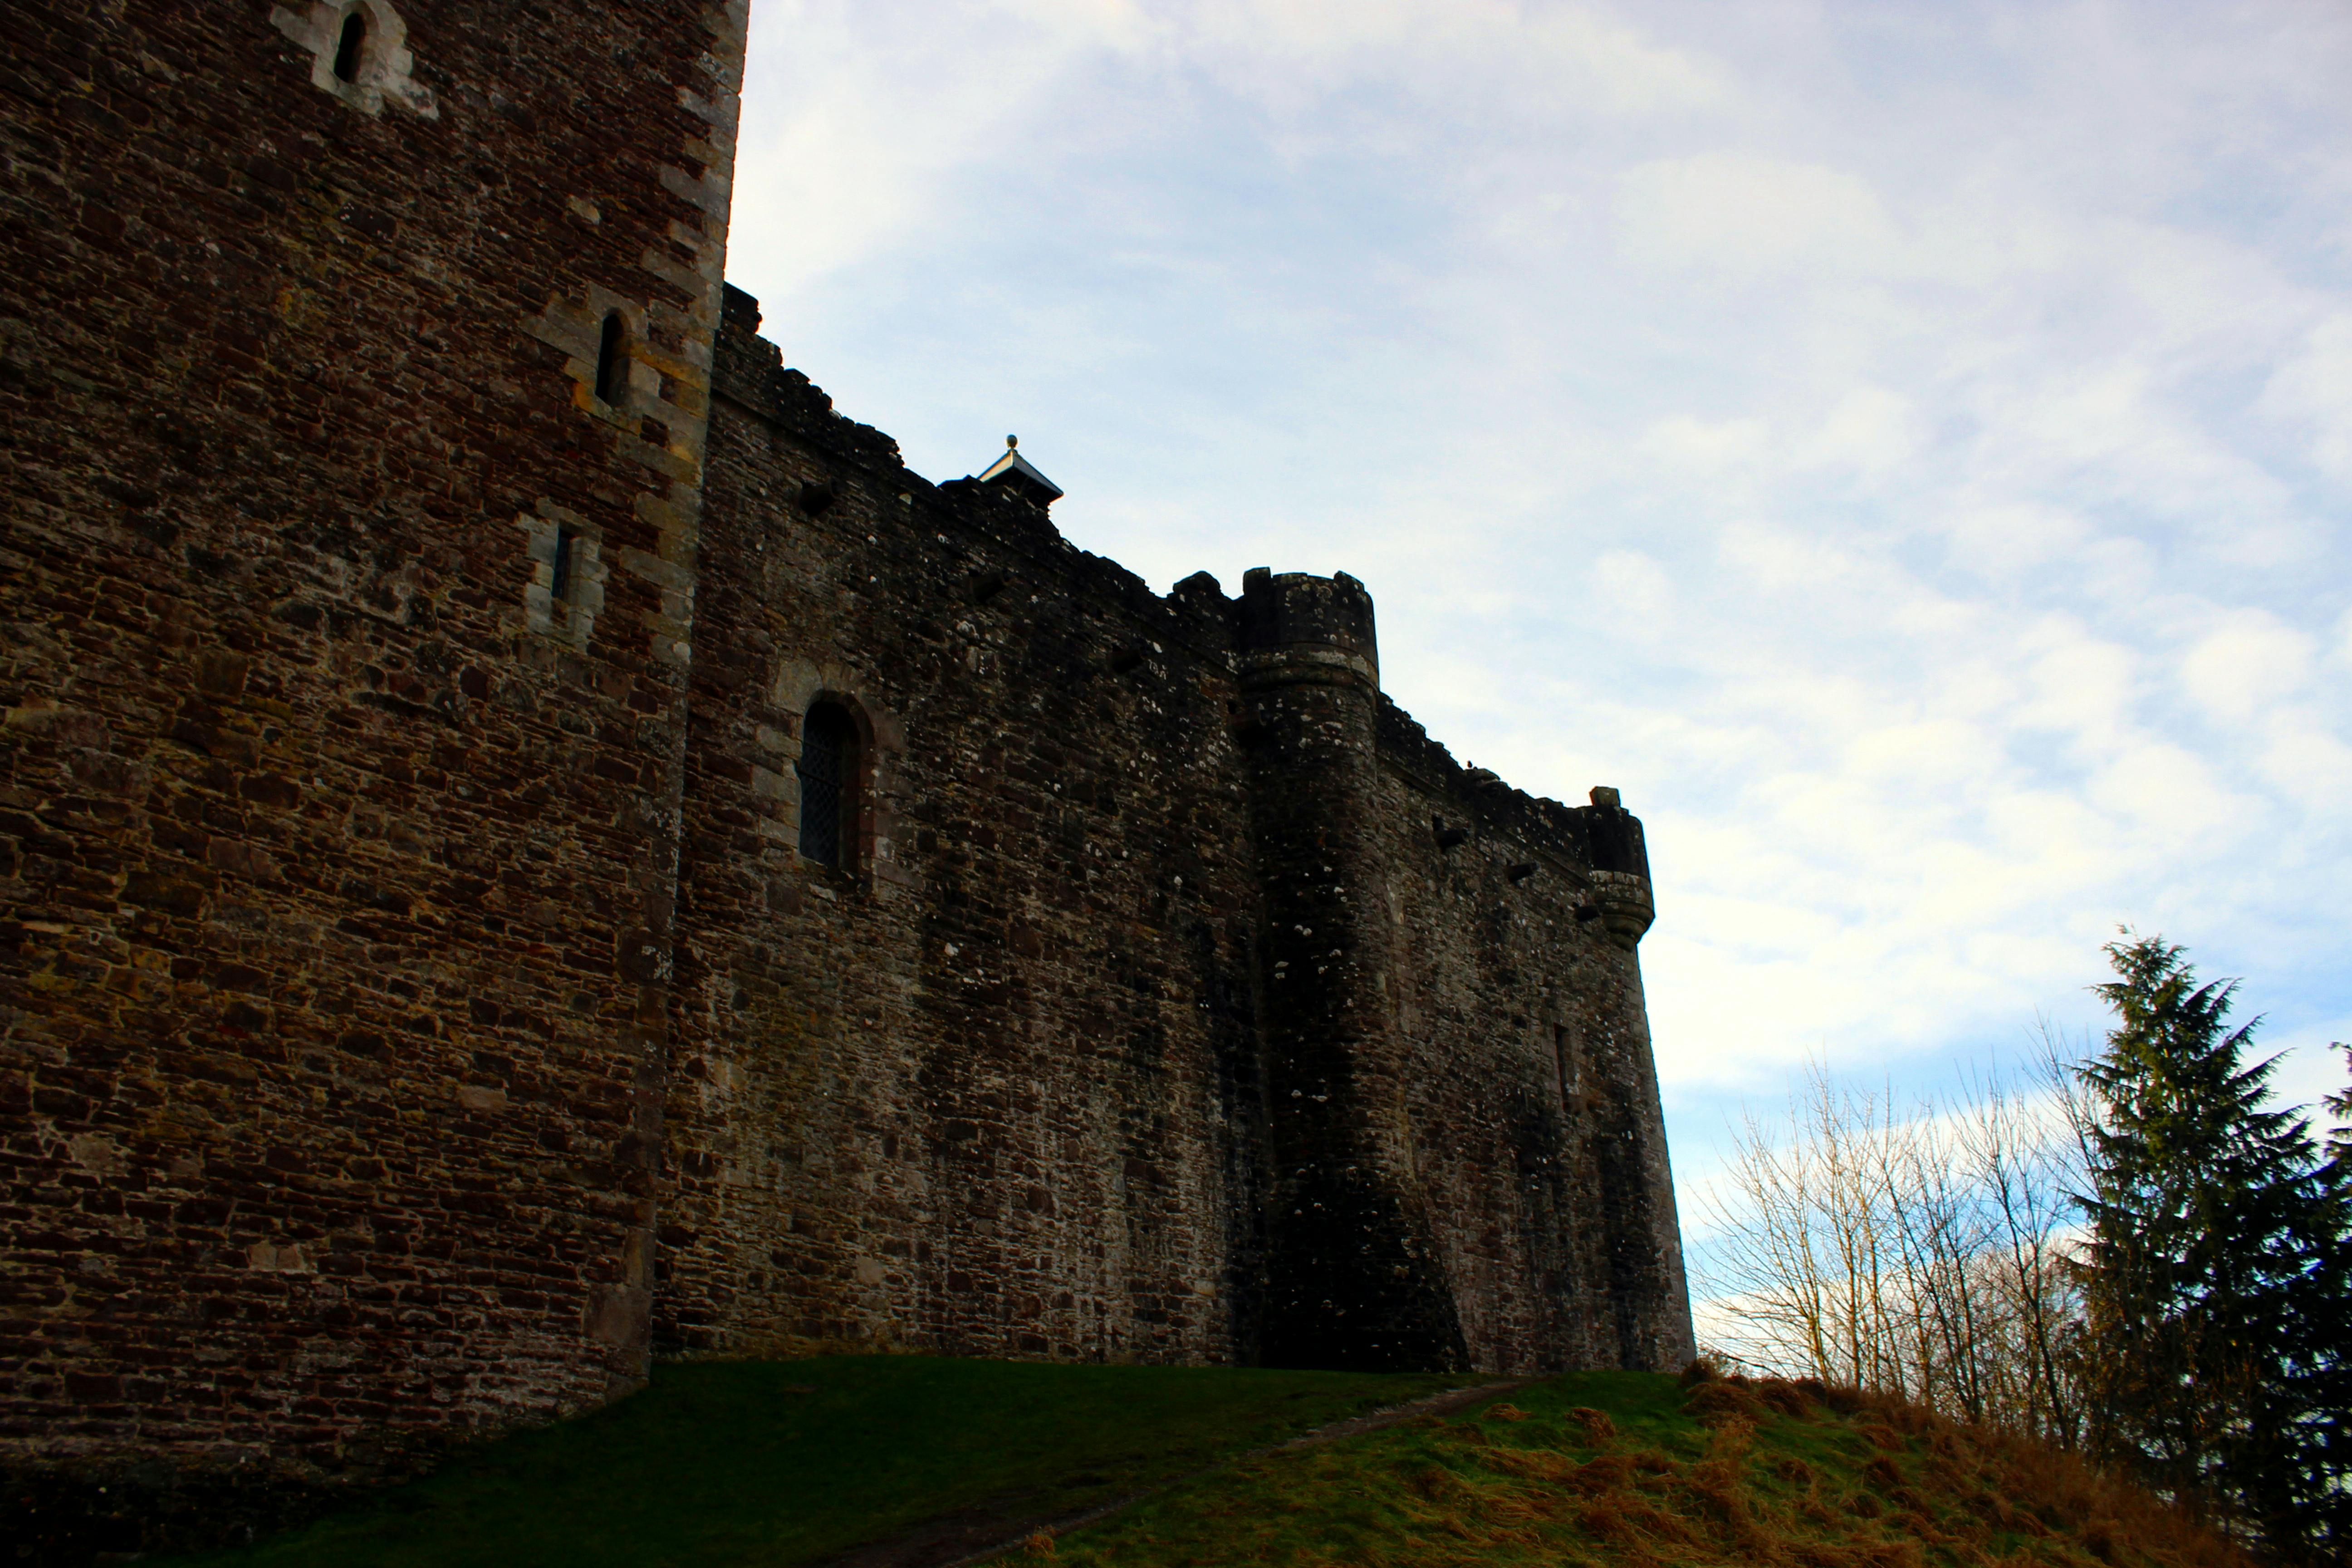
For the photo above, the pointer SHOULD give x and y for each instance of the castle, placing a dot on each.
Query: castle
(531, 844)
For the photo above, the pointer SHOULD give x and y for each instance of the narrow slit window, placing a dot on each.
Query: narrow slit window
(348, 51)
(1572, 1088)
(828, 774)
(612, 359)
(567, 546)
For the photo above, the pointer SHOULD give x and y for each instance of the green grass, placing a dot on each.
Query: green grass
(1733, 1474)
(776, 1463)
(1390, 1495)
(780, 1463)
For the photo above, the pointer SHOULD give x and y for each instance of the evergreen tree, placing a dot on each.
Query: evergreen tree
(2330, 1334)
(2339, 1142)
(2214, 1276)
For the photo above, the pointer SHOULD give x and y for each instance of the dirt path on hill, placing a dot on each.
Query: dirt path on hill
(975, 1535)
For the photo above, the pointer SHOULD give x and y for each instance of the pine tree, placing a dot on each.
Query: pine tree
(2339, 1142)
(2214, 1276)
(2329, 1333)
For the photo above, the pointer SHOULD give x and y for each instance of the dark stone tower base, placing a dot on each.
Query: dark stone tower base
(1355, 1278)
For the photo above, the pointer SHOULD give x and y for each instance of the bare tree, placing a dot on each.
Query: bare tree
(1914, 1249)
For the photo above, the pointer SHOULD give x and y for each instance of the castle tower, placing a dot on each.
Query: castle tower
(1354, 1275)
(355, 372)
(1466, 1153)
(1648, 1292)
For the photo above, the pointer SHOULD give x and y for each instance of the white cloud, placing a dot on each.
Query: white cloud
(1740, 212)
(1632, 589)
(2004, 539)
(2315, 390)
(2079, 685)
(2247, 666)
(1532, 61)
(2312, 768)
(1906, 448)
(1684, 441)
(1870, 429)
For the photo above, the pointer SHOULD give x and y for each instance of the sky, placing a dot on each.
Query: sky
(1906, 448)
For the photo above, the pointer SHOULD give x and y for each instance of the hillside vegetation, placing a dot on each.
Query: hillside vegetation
(720, 1464)
(1636, 1469)
(797, 1462)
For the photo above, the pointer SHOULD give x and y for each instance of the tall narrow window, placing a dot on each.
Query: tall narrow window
(828, 774)
(1571, 1085)
(347, 51)
(567, 546)
(612, 359)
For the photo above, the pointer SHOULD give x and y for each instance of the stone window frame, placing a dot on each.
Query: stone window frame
(574, 324)
(857, 820)
(386, 64)
(577, 326)
(872, 858)
(607, 343)
(571, 620)
(852, 790)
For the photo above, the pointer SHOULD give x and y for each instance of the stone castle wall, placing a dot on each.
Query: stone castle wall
(1535, 1097)
(335, 856)
(991, 1089)
(414, 1009)
(1182, 999)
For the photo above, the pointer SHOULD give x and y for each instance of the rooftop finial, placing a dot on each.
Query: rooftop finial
(1012, 469)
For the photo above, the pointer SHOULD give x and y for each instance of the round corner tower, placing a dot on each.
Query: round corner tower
(1354, 1279)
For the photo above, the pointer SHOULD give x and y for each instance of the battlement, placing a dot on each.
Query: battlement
(1296, 626)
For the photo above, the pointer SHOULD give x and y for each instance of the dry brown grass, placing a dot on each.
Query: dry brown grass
(1723, 1471)
(1963, 1488)
(1599, 1430)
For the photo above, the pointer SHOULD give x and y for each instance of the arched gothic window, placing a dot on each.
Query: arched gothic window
(348, 47)
(828, 777)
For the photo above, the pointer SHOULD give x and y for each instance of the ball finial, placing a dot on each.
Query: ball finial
(1011, 442)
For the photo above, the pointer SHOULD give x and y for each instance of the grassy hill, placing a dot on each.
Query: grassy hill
(1628, 1468)
(797, 1462)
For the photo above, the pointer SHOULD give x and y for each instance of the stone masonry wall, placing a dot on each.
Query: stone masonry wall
(335, 846)
(415, 1010)
(1536, 1109)
(991, 1089)
(1181, 1000)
